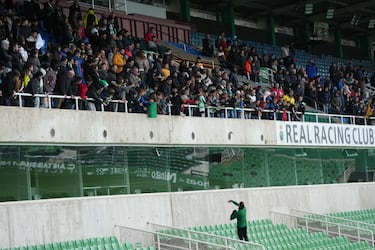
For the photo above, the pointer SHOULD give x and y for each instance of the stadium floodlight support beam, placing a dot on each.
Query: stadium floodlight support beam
(344, 9)
(371, 24)
(330, 13)
(355, 19)
(309, 7)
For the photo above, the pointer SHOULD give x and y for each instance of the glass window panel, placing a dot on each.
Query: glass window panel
(41, 172)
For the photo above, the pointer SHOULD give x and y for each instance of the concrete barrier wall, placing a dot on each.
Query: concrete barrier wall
(29, 125)
(43, 221)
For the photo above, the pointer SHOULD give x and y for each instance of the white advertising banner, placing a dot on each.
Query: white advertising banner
(324, 134)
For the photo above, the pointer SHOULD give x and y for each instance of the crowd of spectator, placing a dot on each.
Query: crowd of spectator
(343, 91)
(44, 51)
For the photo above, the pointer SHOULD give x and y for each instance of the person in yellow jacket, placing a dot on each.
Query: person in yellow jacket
(369, 109)
(90, 19)
(119, 60)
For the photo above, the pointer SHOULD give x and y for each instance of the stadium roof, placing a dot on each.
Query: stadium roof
(291, 12)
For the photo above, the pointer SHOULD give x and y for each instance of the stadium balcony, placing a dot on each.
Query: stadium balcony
(191, 110)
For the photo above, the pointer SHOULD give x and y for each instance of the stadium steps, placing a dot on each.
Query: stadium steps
(280, 237)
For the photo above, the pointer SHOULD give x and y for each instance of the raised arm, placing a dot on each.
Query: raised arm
(234, 202)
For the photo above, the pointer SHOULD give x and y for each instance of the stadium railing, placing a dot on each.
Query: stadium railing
(333, 226)
(225, 112)
(193, 234)
(165, 240)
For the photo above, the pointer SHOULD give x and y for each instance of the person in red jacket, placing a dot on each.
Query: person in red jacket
(247, 67)
(151, 39)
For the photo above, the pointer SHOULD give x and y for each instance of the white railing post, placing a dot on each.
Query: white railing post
(20, 101)
(49, 102)
(110, 5)
(169, 109)
(158, 240)
(125, 7)
(189, 235)
(76, 101)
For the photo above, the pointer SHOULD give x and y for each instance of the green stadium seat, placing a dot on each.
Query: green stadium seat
(108, 246)
(116, 246)
(79, 243)
(56, 246)
(128, 246)
(64, 245)
(31, 247)
(48, 246)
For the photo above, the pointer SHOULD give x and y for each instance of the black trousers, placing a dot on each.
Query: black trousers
(242, 233)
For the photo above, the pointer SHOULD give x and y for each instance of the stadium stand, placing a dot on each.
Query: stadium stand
(97, 65)
(270, 235)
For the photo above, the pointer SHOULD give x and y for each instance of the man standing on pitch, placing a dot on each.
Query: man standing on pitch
(240, 215)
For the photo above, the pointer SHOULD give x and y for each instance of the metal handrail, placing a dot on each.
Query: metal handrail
(226, 239)
(358, 223)
(190, 107)
(340, 231)
(158, 234)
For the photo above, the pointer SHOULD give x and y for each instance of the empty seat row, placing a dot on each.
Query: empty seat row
(97, 243)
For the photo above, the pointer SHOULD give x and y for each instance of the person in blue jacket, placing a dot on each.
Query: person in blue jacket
(240, 215)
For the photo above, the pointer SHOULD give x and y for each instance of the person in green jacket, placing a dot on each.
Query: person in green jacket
(240, 215)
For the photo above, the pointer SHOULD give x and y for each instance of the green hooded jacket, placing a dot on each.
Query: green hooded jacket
(240, 215)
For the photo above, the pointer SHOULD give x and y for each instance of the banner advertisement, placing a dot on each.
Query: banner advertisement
(324, 134)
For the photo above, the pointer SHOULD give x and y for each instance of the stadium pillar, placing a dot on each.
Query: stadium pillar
(227, 18)
(338, 44)
(271, 29)
(361, 163)
(185, 10)
(306, 35)
(364, 45)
